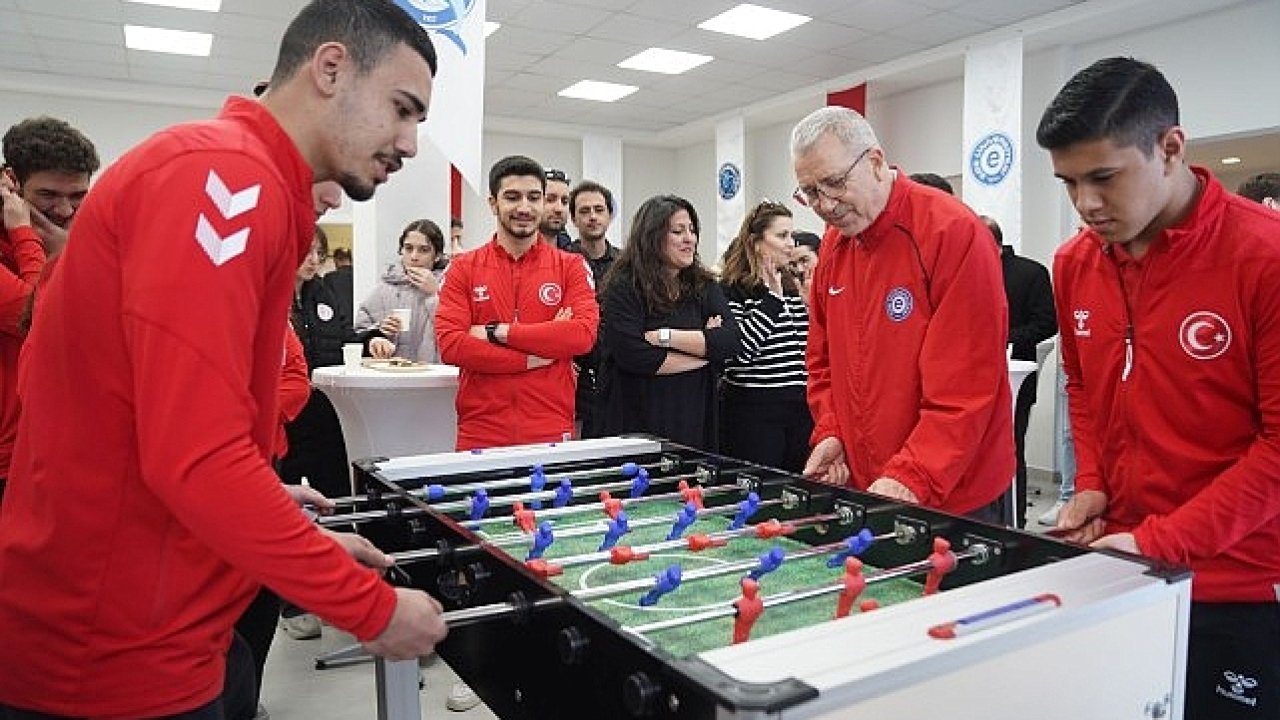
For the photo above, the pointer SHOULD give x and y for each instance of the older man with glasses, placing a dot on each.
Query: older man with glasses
(906, 353)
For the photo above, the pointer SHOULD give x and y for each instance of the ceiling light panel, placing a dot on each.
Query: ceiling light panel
(667, 62)
(754, 22)
(163, 40)
(597, 91)
(203, 5)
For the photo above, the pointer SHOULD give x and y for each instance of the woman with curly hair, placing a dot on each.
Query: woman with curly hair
(665, 330)
(764, 384)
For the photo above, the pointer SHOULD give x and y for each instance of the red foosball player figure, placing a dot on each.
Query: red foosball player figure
(943, 562)
(690, 494)
(749, 608)
(868, 605)
(854, 584)
(610, 505)
(524, 519)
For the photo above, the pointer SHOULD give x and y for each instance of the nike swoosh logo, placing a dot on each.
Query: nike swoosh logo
(835, 290)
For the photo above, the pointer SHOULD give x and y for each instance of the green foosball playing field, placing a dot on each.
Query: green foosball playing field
(698, 595)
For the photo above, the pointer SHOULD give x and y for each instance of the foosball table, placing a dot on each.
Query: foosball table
(630, 577)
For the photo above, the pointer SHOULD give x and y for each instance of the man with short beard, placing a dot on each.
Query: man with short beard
(591, 209)
(513, 314)
(555, 209)
(46, 176)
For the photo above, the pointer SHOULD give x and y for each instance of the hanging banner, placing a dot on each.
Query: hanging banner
(993, 135)
(730, 202)
(457, 28)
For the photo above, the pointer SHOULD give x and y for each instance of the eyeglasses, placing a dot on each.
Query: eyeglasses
(830, 189)
(556, 176)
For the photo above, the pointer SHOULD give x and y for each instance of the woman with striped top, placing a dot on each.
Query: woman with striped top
(766, 416)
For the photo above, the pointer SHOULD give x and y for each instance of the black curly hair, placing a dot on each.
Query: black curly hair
(45, 143)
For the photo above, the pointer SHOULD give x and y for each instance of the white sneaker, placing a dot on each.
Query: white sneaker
(461, 698)
(1050, 516)
(301, 627)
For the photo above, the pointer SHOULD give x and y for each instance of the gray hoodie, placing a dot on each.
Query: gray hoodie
(395, 291)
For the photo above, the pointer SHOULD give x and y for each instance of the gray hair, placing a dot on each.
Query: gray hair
(849, 127)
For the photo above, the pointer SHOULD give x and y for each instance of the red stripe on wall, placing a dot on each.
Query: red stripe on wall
(455, 192)
(855, 98)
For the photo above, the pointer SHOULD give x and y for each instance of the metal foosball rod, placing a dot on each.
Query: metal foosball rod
(693, 543)
(597, 526)
(714, 571)
(977, 551)
(435, 491)
(684, 492)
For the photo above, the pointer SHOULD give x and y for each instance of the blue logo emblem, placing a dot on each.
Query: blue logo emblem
(992, 158)
(730, 181)
(440, 16)
(898, 304)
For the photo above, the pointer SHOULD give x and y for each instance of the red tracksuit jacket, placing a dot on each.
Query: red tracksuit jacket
(22, 259)
(142, 511)
(499, 401)
(906, 352)
(1187, 448)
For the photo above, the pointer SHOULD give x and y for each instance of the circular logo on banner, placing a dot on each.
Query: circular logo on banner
(442, 16)
(324, 312)
(898, 304)
(729, 180)
(992, 158)
(549, 294)
(1204, 335)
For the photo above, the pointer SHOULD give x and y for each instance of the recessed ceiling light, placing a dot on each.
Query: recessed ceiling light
(1233, 160)
(177, 42)
(205, 5)
(753, 21)
(598, 91)
(491, 27)
(669, 62)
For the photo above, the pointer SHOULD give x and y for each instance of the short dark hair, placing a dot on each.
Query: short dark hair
(341, 255)
(994, 227)
(370, 29)
(515, 166)
(1261, 186)
(554, 175)
(429, 230)
(933, 180)
(589, 186)
(1120, 99)
(43, 143)
(807, 239)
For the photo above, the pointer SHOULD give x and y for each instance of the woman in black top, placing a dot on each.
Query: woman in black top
(664, 331)
(764, 384)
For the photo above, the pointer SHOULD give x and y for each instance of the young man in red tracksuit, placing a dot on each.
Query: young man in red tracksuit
(1169, 304)
(48, 164)
(906, 355)
(142, 511)
(512, 315)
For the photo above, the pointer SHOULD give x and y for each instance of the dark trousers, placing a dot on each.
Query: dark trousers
(316, 449)
(236, 702)
(258, 628)
(1233, 661)
(1021, 418)
(765, 431)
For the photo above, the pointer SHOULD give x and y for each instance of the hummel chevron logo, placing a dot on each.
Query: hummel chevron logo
(833, 291)
(218, 248)
(228, 203)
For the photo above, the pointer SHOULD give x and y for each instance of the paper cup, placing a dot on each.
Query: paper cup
(351, 353)
(405, 315)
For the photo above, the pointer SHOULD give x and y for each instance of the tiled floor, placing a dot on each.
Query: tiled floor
(294, 690)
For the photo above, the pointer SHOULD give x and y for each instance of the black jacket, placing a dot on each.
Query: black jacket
(323, 325)
(1030, 296)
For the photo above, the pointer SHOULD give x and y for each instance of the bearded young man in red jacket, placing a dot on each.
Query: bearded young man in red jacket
(906, 354)
(142, 512)
(513, 314)
(1169, 304)
(48, 164)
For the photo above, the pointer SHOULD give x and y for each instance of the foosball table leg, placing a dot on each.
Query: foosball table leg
(398, 695)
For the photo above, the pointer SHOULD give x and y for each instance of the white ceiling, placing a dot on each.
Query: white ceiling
(77, 47)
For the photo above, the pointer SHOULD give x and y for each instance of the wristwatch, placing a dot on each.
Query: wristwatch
(664, 337)
(491, 329)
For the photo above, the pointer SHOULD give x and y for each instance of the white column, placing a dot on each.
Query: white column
(602, 162)
(993, 135)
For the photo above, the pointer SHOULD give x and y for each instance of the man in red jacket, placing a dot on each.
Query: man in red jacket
(142, 512)
(513, 314)
(48, 164)
(1169, 304)
(907, 373)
